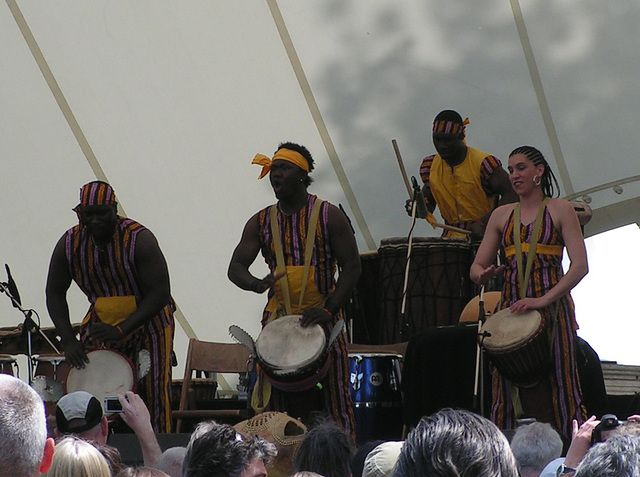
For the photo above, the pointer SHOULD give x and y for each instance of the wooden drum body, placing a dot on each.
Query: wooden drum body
(438, 287)
(518, 345)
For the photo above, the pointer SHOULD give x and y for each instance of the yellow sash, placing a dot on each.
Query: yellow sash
(112, 310)
(542, 249)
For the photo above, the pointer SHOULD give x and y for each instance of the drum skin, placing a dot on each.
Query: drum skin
(518, 345)
(107, 374)
(293, 358)
(375, 392)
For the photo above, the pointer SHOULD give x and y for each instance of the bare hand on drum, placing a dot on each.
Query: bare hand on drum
(103, 333)
(488, 273)
(75, 353)
(315, 316)
(527, 304)
(261, 286)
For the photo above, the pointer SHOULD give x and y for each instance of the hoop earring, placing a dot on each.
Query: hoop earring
(538, 181)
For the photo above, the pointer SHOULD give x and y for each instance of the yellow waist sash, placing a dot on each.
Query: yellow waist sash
(112, 310)
(540, 248)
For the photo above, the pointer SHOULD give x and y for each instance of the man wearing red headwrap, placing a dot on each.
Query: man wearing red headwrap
(118, 265)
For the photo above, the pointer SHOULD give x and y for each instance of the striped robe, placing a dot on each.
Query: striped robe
(110, 272)
(336, 400)
(562, 379)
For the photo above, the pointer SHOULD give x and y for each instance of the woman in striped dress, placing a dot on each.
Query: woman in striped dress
(534, 280)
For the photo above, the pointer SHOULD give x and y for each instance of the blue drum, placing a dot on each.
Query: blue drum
(375, 392)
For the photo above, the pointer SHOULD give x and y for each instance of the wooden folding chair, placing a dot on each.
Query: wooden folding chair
(213, 358)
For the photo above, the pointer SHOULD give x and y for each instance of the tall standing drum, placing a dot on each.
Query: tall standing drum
(438, 287)
(375, 392)
(363, 313)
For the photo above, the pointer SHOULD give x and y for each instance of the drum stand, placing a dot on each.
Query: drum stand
(28, 328)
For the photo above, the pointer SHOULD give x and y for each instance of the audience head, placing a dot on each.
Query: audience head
(76, 457)
(534, 446)
(112, 456)
(171, 460)
(25, 450)
(456, 442)
(326, 450)
(141, 472)
(618, 456)
(80, 414)
(217, 450)
(381, 460)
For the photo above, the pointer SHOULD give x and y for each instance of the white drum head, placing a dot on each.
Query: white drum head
(286, 346)
(107, 374)
(510, 329)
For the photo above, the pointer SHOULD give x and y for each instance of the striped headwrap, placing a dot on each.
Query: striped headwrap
(453, 128)
(96, 193)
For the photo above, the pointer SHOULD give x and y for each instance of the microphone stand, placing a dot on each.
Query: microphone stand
(405, 322)
(28, 326)
(478, 386)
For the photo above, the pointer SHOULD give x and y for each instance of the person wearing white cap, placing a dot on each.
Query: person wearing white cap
(381, 460)
(80, 413)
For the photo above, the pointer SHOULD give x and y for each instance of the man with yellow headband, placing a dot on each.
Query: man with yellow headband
(119, 266)
(319, 298)
(466, 184)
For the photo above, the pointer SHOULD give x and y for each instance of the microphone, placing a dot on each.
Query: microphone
(13, 288)
(418, 197)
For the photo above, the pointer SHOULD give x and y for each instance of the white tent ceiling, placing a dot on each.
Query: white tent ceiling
(175, 98)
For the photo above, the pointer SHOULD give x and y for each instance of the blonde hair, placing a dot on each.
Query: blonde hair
(74, 457)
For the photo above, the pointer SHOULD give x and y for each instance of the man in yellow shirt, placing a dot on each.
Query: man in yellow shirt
(465, 183)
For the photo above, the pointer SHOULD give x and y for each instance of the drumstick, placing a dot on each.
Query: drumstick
(430, 218)
(402, 169)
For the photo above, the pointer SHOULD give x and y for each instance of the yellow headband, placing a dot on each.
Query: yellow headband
(283, 154)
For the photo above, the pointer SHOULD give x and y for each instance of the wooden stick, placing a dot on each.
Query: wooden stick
(402, 169)
(431, 220)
